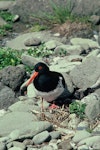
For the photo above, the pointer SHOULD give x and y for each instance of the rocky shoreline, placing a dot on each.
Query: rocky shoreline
(22, 124)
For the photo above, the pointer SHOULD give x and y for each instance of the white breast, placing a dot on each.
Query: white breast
(52, 95)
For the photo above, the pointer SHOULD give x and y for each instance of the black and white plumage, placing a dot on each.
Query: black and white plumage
(47, 84)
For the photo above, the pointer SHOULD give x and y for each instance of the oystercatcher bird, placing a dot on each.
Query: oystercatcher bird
(49, 85)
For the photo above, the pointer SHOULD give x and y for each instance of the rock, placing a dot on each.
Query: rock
(44, 36)
(80, 135)
(83, 147)
(15, 120)
(74, 121)
(74, 58)
(45, 104)
(14, 135)
(68, 49)
(5, 5)
(55, 135)
(52, 44)
(24, 106)
(83, 125)
(29, 60)
(2, 146)
(86, 74)
(96, 145)
(98, 55)
(41, 137)
(4, 139)
(92, 54)
(96, 130)
(2, 22)
(53, 145)
(82, 42)
(64, 123)
(65, 131)
(27, 142)
(65, 145)
(57, 34)
(90, 141)
(64, 66)
(16, 18)
(13, 76)
(15, 148)
(99, 39)
(2, 112)
(32, 41)
(92, 109)
(19, 144)
(35, 128)
(7, 97)
(47, 147)
(30, 91)
(83, 8)
(95, 19)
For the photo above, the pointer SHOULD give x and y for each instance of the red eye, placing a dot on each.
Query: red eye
(40, 67)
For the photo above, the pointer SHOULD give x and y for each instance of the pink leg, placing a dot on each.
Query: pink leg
(54, 106)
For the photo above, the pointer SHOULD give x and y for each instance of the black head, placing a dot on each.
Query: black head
(41, 67)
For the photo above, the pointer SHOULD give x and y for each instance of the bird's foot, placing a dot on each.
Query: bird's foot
(53, 106)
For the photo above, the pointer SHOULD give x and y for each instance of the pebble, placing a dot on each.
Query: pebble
(65, 145)
(80, 135)
(83, 125)
(28, 60)
(52, 44)
(19, 144)
(41, 137)
(90, 141)
(16, 18)
(2, 146)
(96, 130)
(55, 135)
(93, 106)
(74, 121)
(65, 131)
(53, 145)
(32, 41)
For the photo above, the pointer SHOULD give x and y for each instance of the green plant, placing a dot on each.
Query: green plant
(7, 16)
(5, 28)
(9, 19)
(77, 108)
(62, 52)
(40, 51)
(38, 27)
(9, 57)
(61, 13)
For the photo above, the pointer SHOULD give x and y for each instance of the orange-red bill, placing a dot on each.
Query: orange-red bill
(32, 78)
